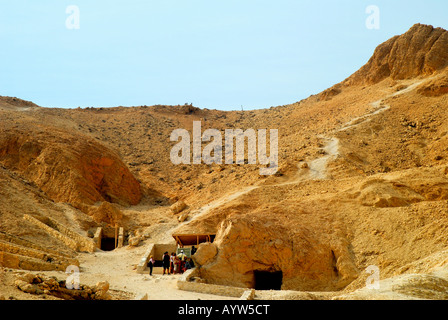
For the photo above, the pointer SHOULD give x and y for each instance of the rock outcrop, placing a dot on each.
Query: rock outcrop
(422, 50)
(69, 167)
(40, 285)
(245, 245)
(106, 212)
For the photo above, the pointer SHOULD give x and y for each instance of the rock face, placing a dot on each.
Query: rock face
(107, 213)
(245, 245)
(69, 167)
(420, 51)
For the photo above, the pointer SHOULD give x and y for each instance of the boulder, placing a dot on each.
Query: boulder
(134, 240)
(205, 253)
(179, 206)
(100, 290)
(26, 287)
(183, 217)
(30, 278)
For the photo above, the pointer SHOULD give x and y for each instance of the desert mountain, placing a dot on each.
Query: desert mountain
(362, 180)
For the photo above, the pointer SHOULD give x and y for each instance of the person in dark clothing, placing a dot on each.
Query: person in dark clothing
(188, 264)
(166, 263)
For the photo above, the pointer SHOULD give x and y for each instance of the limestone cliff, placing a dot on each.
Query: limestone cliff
(420, 51)
(68, 167)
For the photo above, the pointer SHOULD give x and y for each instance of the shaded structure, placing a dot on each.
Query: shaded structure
(184, 240)
(109, 238)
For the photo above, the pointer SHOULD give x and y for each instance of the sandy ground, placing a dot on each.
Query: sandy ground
(118, 267)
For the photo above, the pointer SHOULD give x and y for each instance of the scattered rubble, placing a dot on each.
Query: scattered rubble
(41, 285)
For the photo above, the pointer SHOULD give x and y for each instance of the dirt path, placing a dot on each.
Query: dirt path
(318, 167)
(118, 268)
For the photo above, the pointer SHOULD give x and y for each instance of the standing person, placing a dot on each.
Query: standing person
(151, 265)
(172, 262)
(182, 257)
(176, 264)
(166, 263)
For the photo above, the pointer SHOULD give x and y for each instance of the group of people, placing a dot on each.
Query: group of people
(173, 263)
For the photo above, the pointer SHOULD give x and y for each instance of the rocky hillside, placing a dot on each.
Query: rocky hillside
(362, 179)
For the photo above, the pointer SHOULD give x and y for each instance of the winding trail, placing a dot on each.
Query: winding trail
(318, 167)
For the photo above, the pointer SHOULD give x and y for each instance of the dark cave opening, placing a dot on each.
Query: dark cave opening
(108, 244)
(268, 280)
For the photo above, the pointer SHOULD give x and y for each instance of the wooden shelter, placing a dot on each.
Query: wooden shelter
(184, 240)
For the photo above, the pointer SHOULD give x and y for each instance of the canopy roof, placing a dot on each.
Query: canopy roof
(193, 239)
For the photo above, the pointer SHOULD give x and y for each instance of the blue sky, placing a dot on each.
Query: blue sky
(214, 54)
